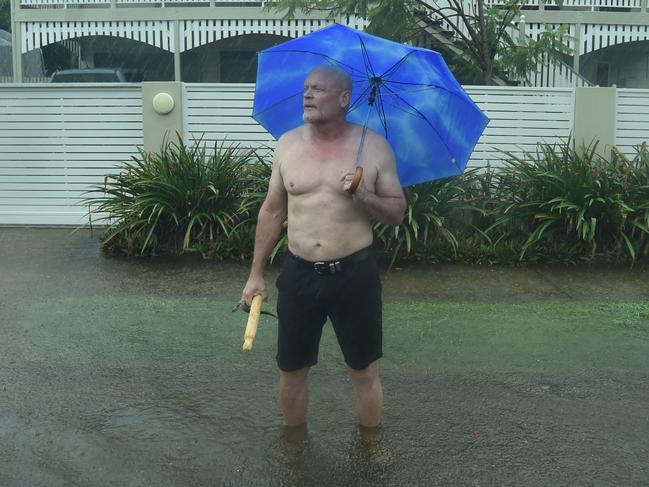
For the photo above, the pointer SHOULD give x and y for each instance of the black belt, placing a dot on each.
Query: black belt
(333, 266)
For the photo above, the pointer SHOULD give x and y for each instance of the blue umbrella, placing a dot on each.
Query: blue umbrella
(407, 94)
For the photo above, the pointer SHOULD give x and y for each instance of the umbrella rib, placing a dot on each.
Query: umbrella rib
(390, 71)
(381, 112)
(366, 58)
(437, 87)
(328, 58)
(277, 103)
(423, 117)
(356, 103)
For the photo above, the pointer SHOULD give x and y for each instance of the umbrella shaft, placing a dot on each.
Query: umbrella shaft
(359, 153)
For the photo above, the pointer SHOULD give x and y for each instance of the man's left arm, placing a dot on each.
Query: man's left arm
(387, 202)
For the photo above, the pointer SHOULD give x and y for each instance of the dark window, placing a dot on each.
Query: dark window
(238, 66)
(602, 74)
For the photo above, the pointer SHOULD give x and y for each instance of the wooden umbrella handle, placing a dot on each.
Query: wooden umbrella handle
(253, 320)
(358, 175)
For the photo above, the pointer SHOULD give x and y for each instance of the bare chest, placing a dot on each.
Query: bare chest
(305, 173)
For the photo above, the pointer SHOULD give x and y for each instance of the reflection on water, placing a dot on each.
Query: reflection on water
(360, 457)
(190, 440)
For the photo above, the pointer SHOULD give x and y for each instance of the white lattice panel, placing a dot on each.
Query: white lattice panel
(594, 36)
(195, 33)
(61, 3)
(584, 4)
(156, 33)
(57, 141)
(520, 119)
(632, 125)
(223, 112)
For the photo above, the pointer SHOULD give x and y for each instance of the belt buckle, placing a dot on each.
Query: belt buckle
(327, 267)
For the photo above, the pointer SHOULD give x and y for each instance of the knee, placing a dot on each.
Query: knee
(366, 377)
(293, 380)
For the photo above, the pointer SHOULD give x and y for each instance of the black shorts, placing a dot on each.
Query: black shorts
(347, 291)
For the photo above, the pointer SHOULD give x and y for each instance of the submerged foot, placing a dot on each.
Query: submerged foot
(293, 442)
(373, 447)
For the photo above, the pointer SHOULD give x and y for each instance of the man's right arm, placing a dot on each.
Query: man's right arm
(269, 226)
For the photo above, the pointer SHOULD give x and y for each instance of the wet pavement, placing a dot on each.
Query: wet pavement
(124, 372)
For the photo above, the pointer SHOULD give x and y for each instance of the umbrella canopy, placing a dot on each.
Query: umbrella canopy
(406, 94)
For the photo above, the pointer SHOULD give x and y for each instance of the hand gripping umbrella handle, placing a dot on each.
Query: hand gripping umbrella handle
(358, 175)
(253, 320)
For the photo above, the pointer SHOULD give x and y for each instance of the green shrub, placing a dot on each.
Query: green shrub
(179, 199)
(435, 212)
(561, 204)
(569, 204)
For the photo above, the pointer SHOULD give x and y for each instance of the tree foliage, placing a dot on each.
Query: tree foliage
(5, 15)
(486, 36)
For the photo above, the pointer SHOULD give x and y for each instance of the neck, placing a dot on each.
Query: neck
(330, 130)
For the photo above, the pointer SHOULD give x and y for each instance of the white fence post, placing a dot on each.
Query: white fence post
(595, 117)
(162, 113)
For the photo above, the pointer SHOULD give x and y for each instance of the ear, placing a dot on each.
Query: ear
(345, 98)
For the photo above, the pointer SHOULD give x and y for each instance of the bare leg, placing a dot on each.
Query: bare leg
(294, 396)
(369, 394)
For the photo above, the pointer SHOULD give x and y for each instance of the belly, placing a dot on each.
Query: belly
(326, 226)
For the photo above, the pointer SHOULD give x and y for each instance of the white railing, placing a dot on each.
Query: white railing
(60, 3)
(580, 4)
(555, 74)
(144, 3)
(567, 4)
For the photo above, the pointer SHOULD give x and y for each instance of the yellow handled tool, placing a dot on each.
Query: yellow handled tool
(253, 320)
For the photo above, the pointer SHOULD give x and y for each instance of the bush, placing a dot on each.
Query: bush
(180, 200)
(571, 205)
(560, 204)
(436, 211)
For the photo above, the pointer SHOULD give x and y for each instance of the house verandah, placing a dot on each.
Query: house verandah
(216, 40)
(197, 41)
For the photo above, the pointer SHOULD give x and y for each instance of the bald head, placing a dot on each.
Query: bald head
(340, 76)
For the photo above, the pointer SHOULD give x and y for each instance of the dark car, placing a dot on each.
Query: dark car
(97, 75)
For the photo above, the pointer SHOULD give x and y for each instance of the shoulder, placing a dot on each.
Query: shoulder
(373, 140)
(291, 137)
(286, 144)
(378, 148)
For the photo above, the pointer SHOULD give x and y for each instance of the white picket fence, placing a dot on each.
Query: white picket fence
(58, 141)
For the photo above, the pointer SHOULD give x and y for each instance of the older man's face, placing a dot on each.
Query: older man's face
(322, 98)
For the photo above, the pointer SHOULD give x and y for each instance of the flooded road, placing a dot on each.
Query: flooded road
(130, 373)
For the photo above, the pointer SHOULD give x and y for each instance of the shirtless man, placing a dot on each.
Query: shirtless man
(331, 270)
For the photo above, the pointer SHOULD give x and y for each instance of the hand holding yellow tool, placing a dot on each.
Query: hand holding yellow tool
(253, 320)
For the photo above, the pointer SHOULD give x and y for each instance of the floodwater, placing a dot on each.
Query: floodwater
(130, 373)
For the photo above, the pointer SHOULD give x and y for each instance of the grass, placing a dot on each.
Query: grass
(453, 337)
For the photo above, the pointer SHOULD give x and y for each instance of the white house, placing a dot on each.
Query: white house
(216, 40)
